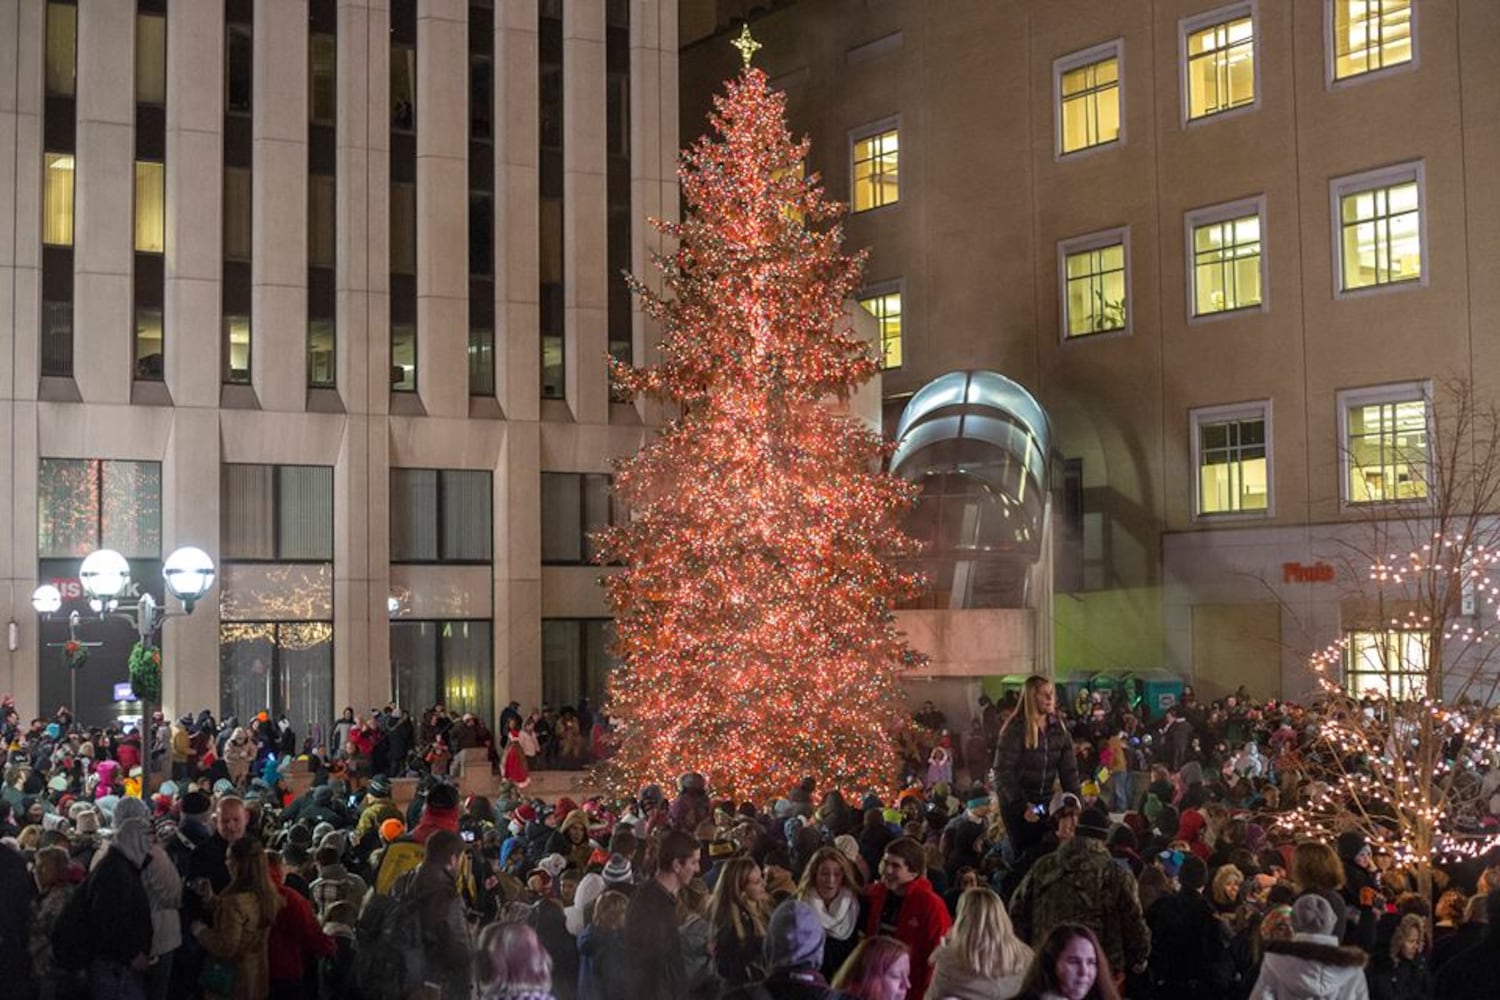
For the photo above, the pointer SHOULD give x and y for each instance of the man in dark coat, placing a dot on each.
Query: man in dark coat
(119, 914)
(1189, 954)
(658, 970)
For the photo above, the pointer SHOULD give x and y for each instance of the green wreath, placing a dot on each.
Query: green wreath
(145, 672)
(74, 654)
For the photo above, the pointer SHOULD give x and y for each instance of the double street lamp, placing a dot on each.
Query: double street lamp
(105, 575)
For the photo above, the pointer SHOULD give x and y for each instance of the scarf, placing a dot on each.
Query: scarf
(839, 918)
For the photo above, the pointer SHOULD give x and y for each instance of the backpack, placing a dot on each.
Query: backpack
(71, 946)
(390, 957)
(401, 856)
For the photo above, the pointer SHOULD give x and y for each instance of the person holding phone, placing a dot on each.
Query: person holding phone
(1034, 752)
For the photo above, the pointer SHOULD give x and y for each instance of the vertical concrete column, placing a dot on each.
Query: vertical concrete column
(518, 567)
(377, 204)
(517, 305)
(653, 157)
(20, 302)
(195, 212)
(104, 200)
(585, 233)
(443, 207)
(353, 593)
(278, 294)
(190, 516)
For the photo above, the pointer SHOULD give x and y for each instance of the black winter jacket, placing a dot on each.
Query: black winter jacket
(1026, 775)
(119, 910)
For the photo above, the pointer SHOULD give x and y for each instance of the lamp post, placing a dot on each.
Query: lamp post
(105, 575)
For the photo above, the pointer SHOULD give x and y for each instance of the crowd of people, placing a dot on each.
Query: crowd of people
(1074, 851)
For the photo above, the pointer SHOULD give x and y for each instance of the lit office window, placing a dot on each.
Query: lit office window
(150, 206)
(1095, 285)
(1220, 62)
(886, 308)
(1227, 258)
(1088, 99)
(1368, 35)
(237, 349)
(62, 49)
(1390, 664)
(57, 199)
(1233, 460)
(403, 357)
(1380, 227)
(876, 180)
(1385, 444)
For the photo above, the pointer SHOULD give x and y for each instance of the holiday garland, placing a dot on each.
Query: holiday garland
(145, 672)
(74, 654)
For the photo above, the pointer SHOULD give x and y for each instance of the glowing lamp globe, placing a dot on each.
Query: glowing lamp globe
(104, 575)
(189, 573)
(46, 599)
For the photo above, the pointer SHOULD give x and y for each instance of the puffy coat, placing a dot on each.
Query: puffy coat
(1311, 967)
(1080, 883)
(1026, 774)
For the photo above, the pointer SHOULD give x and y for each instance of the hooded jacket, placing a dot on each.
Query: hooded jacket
(921, 923)
(1080, 883)
(1311, 967)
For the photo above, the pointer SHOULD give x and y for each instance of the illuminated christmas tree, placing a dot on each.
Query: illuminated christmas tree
(753, 614)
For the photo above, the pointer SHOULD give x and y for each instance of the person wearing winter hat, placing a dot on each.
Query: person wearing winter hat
(439, 812)
(391, 829)
(163, 890)
(1312, 963)
(378, 808)
(794, 955)
(618, 874)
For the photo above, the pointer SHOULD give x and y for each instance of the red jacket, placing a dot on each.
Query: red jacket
(921, 923)
(296, 937)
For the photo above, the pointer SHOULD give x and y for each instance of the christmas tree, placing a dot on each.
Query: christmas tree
(753, 614)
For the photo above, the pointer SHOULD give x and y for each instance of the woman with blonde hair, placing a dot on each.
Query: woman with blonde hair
(511, 964)
(831, 886)
(1033, 753)
(236, 967)
(1224, 894)
(737, 916)
(981, 958)
(1401, 973)
(879, 969)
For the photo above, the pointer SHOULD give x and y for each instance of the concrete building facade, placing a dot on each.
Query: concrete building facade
(325, 288)
(1230, 247)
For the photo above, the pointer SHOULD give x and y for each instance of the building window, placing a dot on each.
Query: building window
(440, 515)
(237, 349)
(322, 192)
(576, 660)
(277, 513)
(1380, 231)
(481, 95)
(1224, 244)
(875, 154)
(322, 363)
(1385, 443)
(403, 228)
(1386, 664)
(57, 199)
(1087, 88)
(150, 206)
(1369, 35)
(575, 505)
(444, 663)
(150, 357)
(62, 49)
(481, 362)
(403, 357)
(322, 78)
(284, 668)
(237, 217)
(481, 230)
(1232, 453)
(238, 62)
(403, 88)
(87, 503)
(885, 306)
(1095, 283)
(150, 59)
(1218, 52)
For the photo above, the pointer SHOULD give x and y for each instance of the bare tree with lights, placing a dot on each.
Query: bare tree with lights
(1403, 761)
(754, 611)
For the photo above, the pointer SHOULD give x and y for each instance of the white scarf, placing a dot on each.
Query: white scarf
(840, 917)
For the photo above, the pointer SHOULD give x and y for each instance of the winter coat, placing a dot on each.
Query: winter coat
(164, 891)
(1473, 973)
(1189, 951)
(17, 889)
(951, 978)
(119, 911)
(1311, 967)
(657, 969)
(239, 934)
(921, 922)
(1080, 883)
(297, 940)
(1025, 775)
(1397, 979)
(603, 961)
(703, 982)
